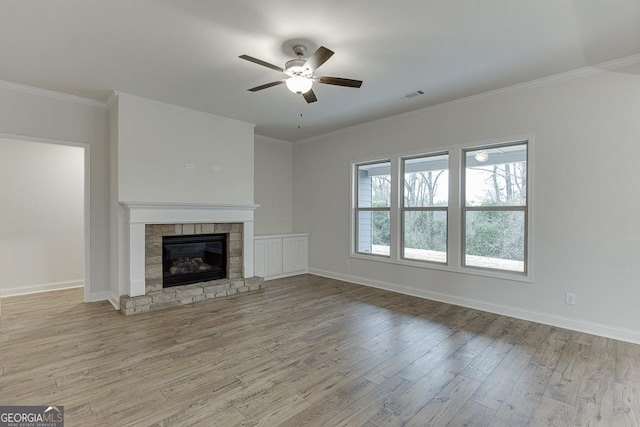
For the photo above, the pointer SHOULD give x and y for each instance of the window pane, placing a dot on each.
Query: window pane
(496, 176)
(495, 239)
(426, 181)
(425, 235)
(374, 185)
(373, 233)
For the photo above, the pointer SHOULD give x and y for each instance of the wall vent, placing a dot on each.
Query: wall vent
(413, 94)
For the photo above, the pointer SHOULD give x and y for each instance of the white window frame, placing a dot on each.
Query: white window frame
(508, 208)
(357, 209)
(455, 234)
(404, 209)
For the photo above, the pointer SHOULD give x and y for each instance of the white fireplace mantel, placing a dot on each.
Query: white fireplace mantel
(143, 213)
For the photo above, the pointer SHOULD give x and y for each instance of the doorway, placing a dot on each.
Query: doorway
(44, 199)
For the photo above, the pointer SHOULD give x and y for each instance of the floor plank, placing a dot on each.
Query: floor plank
(626, 411)
(472, 414)
(443, 407)
(309, 351)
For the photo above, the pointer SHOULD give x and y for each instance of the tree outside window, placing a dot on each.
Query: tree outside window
(490, 204)
(495, 208)
(425, 208)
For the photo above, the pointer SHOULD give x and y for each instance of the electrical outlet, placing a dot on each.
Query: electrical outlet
(570, 298)
(189, 165)
(347, 262)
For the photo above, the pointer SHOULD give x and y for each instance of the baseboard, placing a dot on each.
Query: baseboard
(114, 300)
(106, 296)
(41, 287)
(280, 276)
(607, 331)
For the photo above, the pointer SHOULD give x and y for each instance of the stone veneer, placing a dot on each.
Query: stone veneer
(187, 294)
(153, 247)
(157, 297)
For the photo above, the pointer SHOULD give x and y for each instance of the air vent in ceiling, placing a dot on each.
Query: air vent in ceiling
(413, 94)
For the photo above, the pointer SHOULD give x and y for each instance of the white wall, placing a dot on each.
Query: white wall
(171, 154)
(29, 114)
(157, 140)
(586, 235)
(273, 186)
(41, 216)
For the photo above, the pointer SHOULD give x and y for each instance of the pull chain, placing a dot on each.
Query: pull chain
(299, 120)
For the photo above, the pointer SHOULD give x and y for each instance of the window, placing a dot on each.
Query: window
(373, 208)
(425, 208)
(463, 209)
(495, 208)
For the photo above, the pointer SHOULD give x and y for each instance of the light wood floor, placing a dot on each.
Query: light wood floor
(309, 351)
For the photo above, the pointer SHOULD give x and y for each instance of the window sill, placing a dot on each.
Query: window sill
(494, 274)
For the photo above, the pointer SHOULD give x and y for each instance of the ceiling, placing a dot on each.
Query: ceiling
(186, 52)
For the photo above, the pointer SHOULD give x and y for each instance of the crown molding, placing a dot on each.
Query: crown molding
(112, 98)
(52, 94)
(544, 81)
(271, 139)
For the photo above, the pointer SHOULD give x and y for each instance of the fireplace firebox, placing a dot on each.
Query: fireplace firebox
(193, 259)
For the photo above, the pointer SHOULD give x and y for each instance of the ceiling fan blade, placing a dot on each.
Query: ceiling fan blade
(261, 62)
(319, 57)
(309, 96)
(266, 86)
(339, 81)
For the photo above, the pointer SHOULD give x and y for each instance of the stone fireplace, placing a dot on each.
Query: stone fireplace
(188, 259)
(158, 236)
(149, 223)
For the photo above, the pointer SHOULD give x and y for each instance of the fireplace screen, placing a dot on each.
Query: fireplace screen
(193, 259)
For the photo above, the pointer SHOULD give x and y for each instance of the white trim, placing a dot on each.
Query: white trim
(52, 94)
(278, 236)
(141, 213)
(114, 300)
(280, 276)
(88, 286)
(472, 271)
(87, 199)
(168, 206)
(40, 287)
(271, 139)
(607, 331)
(112, 99)
(105, 296)
(543, 81)
(44, 140)
(454, 209)
(465, 145)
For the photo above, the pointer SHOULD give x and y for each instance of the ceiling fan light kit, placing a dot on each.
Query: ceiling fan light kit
(300, 72)
(299, 84)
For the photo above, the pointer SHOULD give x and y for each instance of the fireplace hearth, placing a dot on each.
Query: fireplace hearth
(146, 223)
(193, 258)
(159, 296)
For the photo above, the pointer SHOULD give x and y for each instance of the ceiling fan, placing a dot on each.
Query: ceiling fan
(301, 72)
